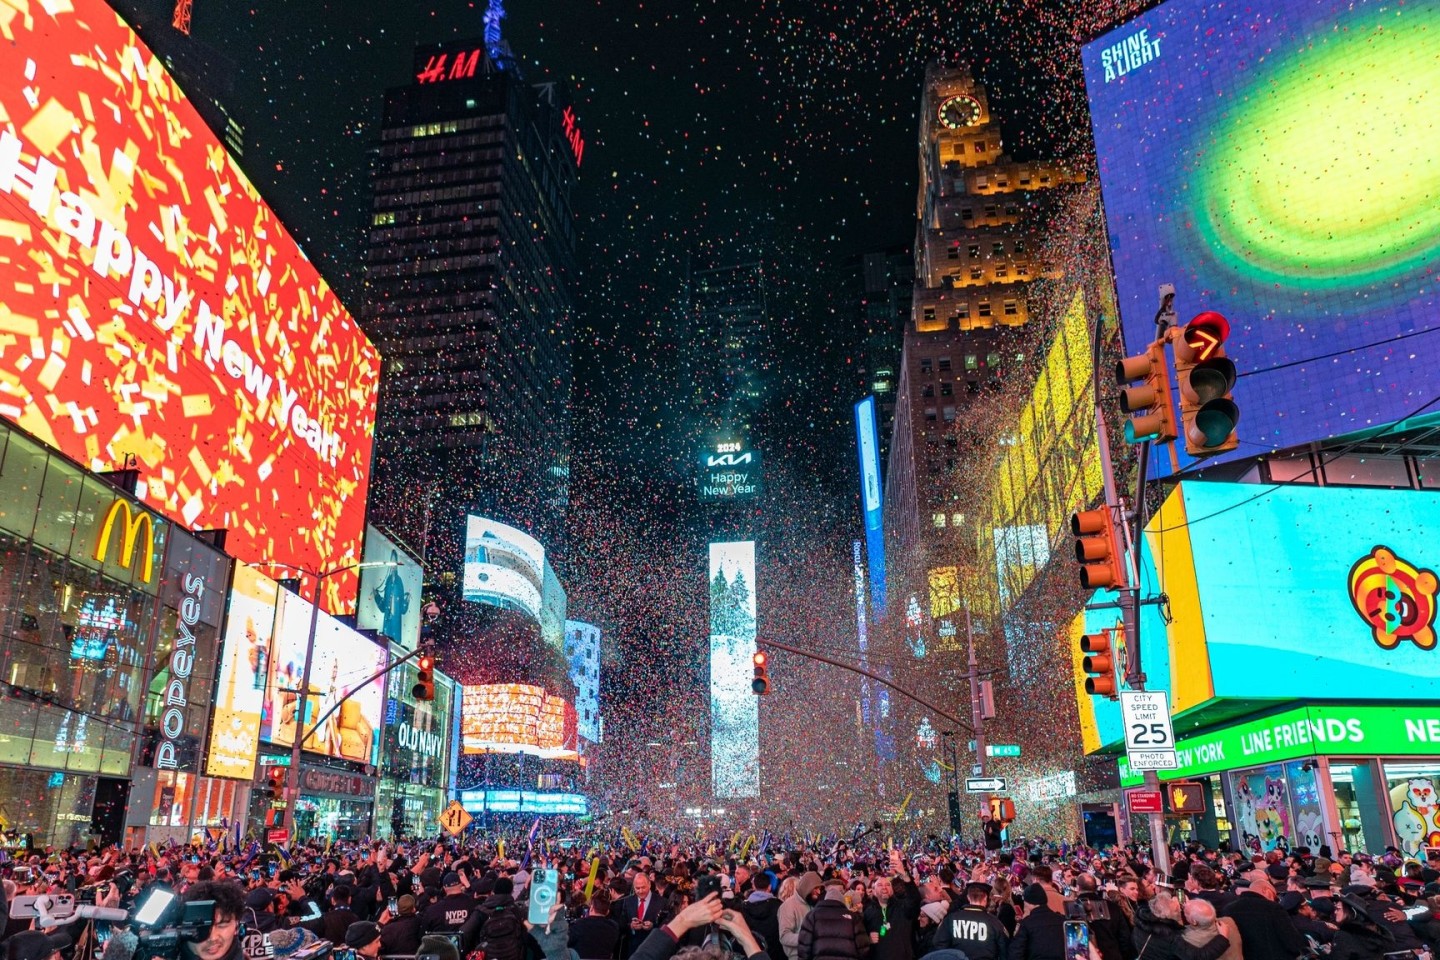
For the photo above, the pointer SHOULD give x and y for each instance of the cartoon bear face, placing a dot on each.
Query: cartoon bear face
(1420, 793)
(1395, 598)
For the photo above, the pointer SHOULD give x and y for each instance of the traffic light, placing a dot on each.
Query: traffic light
(954, 801)
(1097, 548)
(424, 678)
(1207, 411)
(1148, 403)
(1099, 663)
(275, 784)
(761, 684)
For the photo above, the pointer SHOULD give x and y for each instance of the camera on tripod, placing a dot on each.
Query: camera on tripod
(1087, 909)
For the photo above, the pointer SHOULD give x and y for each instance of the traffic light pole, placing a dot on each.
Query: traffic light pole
(811, 655)
(1129, 602)
(977, 718)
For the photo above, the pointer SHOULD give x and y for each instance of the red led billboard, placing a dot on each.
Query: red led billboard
(155, 313)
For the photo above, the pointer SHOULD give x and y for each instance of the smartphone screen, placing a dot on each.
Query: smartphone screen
(394, 906)
(154, 907)
(1077, 940)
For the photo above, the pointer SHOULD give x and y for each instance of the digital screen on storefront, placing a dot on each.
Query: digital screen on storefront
(517, 718)
(244, 669)
(504, 567)
(159, 315)
(734, 708)
(524, 801)
(1275, 162)
(340, 673)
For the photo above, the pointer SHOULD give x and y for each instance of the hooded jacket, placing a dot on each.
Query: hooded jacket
(793, 910)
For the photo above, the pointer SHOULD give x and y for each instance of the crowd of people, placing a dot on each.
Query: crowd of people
(706, 900)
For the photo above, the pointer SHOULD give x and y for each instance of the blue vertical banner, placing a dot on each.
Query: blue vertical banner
(867, 436)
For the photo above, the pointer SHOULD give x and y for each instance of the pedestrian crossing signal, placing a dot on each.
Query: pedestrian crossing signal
(1185, 798)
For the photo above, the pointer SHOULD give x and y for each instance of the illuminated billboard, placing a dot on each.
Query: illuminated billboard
(504, 567)
(1276, 163)
(389, 600)
(867, 439)
(343, 661)
(517, 718)
(538, 802)
(244, 666)
(1278, 591)
(729, 473)
(553, 606)
(582, 651)
(734, 709)
(158, 314)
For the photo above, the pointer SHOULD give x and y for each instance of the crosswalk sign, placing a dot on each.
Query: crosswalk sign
(455, 819)
(1185, 798)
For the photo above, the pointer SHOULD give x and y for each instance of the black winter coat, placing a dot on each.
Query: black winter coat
(1159, 939)
(903, 910)
(1110, 936)
(763, 918)
(1266, 930)
(832, 931)
(1360, 941)
(1039, 936)
(974, 932)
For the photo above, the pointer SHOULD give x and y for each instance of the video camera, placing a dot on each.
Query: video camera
(166, 922)
(60, 909)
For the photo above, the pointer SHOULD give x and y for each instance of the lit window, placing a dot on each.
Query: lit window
(972, 361)
(939, 520)
(957, 519)
(992, 360)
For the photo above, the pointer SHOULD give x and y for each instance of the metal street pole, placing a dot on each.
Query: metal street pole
(292, 778)
(977, 718)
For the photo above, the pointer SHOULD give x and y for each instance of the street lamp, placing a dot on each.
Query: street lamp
(292, 779)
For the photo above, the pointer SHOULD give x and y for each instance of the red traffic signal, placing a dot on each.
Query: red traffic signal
(1206, 377)
(1097, 547)
(275, 783)
(1099, 663)
(424, 689)
(761, 684)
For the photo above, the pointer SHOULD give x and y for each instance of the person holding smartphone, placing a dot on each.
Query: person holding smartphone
(402, 931)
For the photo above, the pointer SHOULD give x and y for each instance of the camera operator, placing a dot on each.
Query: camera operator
(1109, 934)
(223, 943)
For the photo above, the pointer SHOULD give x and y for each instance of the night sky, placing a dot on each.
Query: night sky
(705, 120)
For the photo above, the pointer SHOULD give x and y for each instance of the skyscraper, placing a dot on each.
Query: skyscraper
(976, 241)
(468, 295)
(730, 355)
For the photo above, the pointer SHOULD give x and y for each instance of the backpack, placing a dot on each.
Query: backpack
(502, 936)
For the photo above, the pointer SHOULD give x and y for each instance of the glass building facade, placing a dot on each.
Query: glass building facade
(92, 598)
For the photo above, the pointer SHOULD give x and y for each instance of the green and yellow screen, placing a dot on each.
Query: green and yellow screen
(1280, 163)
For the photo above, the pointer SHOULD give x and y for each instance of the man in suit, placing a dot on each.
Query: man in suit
(640, 913)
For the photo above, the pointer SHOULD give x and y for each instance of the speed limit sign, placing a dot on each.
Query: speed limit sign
(1149, 735)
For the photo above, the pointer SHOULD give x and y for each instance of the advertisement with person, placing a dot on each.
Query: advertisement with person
(390, 587)
(340, 674)
(244, 666)
(172, 323)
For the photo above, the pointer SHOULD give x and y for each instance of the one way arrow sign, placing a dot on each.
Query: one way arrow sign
(984, 784)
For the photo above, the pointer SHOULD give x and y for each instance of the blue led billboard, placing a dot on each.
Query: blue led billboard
(867, 439)
(1277, 163)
